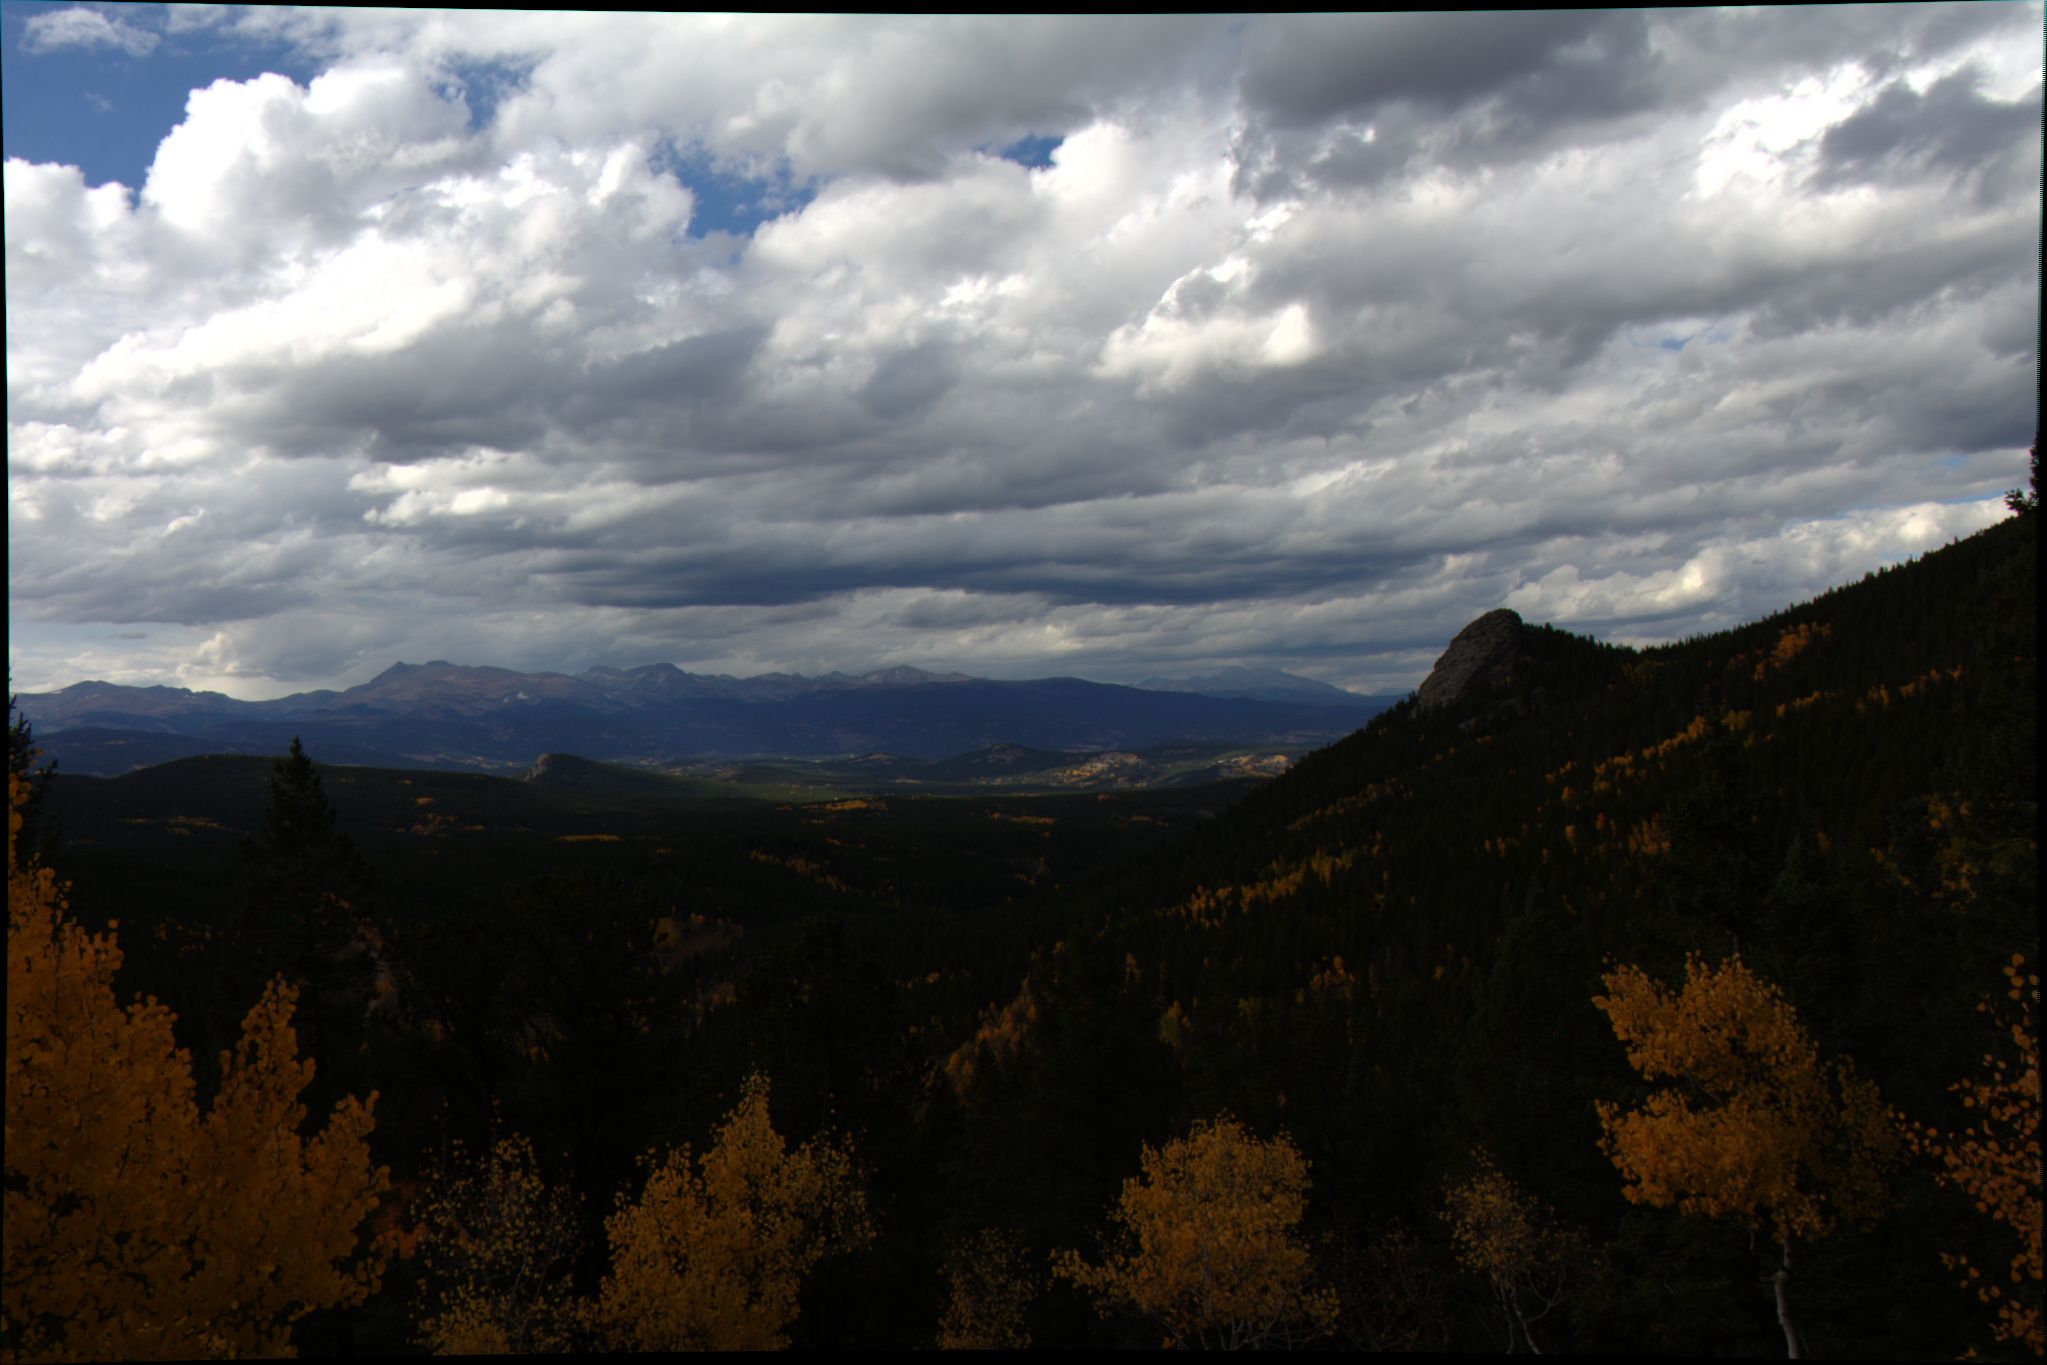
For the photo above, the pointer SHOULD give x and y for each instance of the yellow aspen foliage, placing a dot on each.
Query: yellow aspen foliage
(1753, 1129)
(1513, 1242)
(989, 1286)
(1205, 1244)
(1995, 1160)
(1174, 1027)
(712, 1254)
(1000, 1037)
(498, 1251)
(1790, 645)
(136, 1227)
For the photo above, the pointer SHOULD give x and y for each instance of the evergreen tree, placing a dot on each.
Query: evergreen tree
(2026, 501)
(303, 917)
(21, 762)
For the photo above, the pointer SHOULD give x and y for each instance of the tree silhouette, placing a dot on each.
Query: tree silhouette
(2026, 501)
(21, 762)
(304, 907)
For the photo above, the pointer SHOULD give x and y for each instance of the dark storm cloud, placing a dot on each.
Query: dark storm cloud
(1945, 133)
(1301, 70)
(1346, 101)
(689, 372)
(908, 382)
(442, 395)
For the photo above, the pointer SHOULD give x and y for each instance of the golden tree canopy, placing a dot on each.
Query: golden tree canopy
(1206, 1243)
(713, 1254)
(1753, 1126)
(135, 1226)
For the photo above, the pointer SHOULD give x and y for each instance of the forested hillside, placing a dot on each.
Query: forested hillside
(1675, 1001)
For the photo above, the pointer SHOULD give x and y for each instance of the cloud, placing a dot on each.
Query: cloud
(1315, 338)
(1304, 70)
(1947, 133)
(1728, 581)
(79, 27)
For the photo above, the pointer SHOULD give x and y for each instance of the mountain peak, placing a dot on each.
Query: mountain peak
(400, 669)
(1482, 654)
(903, 675)
(1258, 683)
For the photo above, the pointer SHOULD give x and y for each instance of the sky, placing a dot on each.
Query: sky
(1103, 347)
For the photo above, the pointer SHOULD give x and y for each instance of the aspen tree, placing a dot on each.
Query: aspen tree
(712, 1254)
(136, 1227)
(1507, 1237)
(1206, 1246)
(1753, 1126)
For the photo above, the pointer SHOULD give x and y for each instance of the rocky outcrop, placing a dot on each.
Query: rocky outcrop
(1482, 656)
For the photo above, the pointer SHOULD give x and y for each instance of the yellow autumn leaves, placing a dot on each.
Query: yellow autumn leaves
(710, 1255)
(1752, 1125)
(136, 1226)
(1994, 1159)
(1205, 1244)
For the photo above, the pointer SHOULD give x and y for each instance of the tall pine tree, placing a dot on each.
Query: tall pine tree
(304, 917)
(22, 754)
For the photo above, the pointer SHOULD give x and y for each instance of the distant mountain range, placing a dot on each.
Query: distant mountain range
(444, 715)
(1267, 684)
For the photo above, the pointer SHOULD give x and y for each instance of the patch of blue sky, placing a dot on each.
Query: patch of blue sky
(1034, 152)
(105, 107)
(1676, 334)
(484, 85)
(731, 200)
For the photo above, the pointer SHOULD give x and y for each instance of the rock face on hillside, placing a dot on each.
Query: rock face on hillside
(1484, 653)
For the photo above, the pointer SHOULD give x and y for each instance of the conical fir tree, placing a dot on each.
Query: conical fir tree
(304, 911)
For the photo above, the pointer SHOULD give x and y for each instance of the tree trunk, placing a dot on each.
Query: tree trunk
(1526, 1336)
(1793, 1347)
(1507, 1312)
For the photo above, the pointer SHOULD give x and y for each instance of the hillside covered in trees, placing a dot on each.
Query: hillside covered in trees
(1680, 1000)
